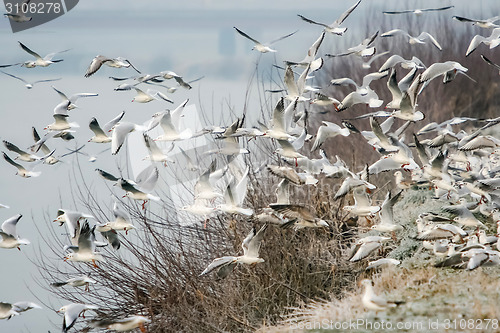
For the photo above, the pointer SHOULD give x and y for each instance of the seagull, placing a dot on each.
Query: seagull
(251, 246)
(364, 49)
(448, 69)
(486, 24)
(27, 84)
(204, 187)
(40, 144)
(235, 196)
(287, 150)
(61, 123)
(123, 325)
(365, 246)
(99, 60)
(120, 132)
(20, 17)
(121, 222)
(68, 104)
(10, 239)
(144, 184)
(21, 171)
(22, 155)
(395, 59)
(362, 205)
(492, 41)
(386, 215)
(371, 301)
(149, 95)
(72, 220)
(42, 62)
(382, 262)
(411, 39)
(334, 28)
(263, 48)
(309, 60)
(100, 134)
(170, 122)
(155, 154)
(85, 250)
(79, 281)
(417, 12)
(463, 215)
(71, 313)
(7, 310)
(300, 216)
(280, 122)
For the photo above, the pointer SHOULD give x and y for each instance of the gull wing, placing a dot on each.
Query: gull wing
(18, 166)
(25, 48)
(312, 22)
(251, 244)
(107, 175)
(147, 178)
(281, 38)
(246, 36)
(9, 225)
(96, 64)
(94, 127)
(294, 211)
(15, 77)
(219, 263)
(346, 14)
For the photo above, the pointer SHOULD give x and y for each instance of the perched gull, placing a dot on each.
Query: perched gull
(123, 325)
(373, 302)
(417, 12)
(39, 61)
(487, 23)
(251, 246)
(71, 313)
(27, 84)
(411, 39)
(10, 239)
(7, 310)
(301, 216)
(492, 41)
(79, 281)
(262, 47)
(99, 60)
(334, 28)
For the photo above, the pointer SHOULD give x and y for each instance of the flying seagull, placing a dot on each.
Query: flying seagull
(27, 84)
(100, 60)
(334, 28)
(263, 48)
(251, 246)
(417, 12)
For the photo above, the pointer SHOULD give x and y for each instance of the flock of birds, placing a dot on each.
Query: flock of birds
(461, 166)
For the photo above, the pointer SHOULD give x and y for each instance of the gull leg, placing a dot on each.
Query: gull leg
(94, 264)
(19, 248)
(205, 224)
(394, 238)
(142, 328)
(144, 205)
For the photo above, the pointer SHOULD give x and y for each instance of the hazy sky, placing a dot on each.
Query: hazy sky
(193, 38)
